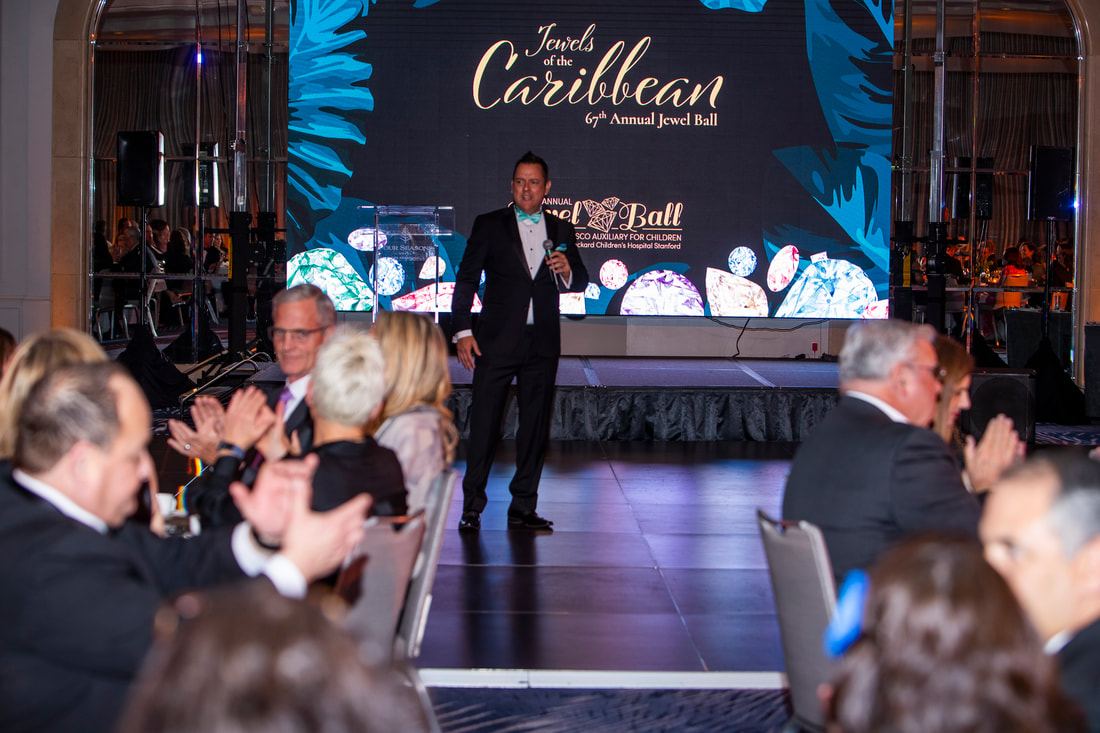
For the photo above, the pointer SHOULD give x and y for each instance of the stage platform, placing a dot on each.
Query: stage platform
(673, 399)
(670, 399)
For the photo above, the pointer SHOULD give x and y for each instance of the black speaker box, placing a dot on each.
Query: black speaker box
(983, 192)
(1050, 190)
(996, 391)
(1024, 329)
(140, 169)
(205, 194)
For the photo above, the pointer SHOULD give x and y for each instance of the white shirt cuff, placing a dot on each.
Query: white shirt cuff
(255, 560)
(569, 282)
(462, 334)
(286, 577)
(250, 556)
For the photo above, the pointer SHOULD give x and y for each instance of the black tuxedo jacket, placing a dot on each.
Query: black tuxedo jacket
(868, 481)
(1080, 672)
(77, 609)
(495, 248)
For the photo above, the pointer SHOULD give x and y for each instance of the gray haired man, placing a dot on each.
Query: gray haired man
(1041, 531)
(872, 472)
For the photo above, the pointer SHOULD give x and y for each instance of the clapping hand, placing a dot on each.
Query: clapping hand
(201, 442)
(998, 449)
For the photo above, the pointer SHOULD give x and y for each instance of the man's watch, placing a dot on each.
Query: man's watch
(236, 450)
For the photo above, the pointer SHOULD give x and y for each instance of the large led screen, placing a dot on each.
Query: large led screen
(717, 157)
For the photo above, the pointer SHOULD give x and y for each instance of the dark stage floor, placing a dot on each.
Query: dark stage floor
(655, 567)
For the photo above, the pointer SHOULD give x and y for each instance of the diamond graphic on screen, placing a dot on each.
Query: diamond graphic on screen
(330, 271)
(783, 268)
(391, 276)
(571, 304)
(662, 293)
(592, 291)
(742, 261)
(601, 214)
(613, 274)
(424, 300)
(433, 267)
(733, 295)
(362, 239)
(482, 281)
(829, 289)
(878, 309)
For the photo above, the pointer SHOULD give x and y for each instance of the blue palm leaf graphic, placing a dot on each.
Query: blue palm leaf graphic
(328, 98)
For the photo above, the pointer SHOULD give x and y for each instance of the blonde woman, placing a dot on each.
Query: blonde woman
(415, 424)
(35, 357)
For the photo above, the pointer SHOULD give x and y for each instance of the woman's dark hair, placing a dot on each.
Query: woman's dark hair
(945, 647)
(246, 659)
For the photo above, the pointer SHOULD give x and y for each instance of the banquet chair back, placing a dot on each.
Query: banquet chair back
(805, 599)
(375, 582)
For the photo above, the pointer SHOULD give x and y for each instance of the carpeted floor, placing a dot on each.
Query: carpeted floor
(609, 711)
(1054, 434)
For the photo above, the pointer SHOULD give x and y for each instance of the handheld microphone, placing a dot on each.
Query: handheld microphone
(549, 247)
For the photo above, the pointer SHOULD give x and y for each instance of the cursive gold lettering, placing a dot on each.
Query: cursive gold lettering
(598, 86)
(480, 72)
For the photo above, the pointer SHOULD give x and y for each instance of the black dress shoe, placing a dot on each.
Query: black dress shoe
(530, 521)
(470, 522)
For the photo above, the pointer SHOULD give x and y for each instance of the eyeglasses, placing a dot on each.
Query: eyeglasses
(295, 335)
(938, 373)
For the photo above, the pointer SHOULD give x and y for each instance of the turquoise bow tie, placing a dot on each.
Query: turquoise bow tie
(525, 218)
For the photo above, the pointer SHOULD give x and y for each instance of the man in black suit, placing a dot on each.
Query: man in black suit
(872, 472)
(1041, 530)
(517, 336)
(82, 587)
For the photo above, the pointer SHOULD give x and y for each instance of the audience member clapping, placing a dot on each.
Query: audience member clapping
(250, 661)
(1000, 446)
(82, 584)
(344, 394)
(941, 645)
(415, 422)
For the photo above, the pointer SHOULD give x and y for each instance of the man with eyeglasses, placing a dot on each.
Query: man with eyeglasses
(872, 472)
(304, 317)
(1041, 531)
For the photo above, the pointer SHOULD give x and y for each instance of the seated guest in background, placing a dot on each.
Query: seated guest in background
(82, 585)
(178, 260)
(416, 424)
(39, 355)
(304, 317)
(7, 349)
(344, 395)
(872, 472)
(943, 646)
(1041, 531)
(250, 661)
(161, 232)
(982, 461)
(1013, 267)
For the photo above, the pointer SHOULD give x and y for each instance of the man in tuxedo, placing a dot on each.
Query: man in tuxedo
(517, 335)
(872, 472)
(82, 586)
(304, 316)
(1041, 530)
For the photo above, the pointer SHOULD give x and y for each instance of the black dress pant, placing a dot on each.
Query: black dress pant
(535, 375)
